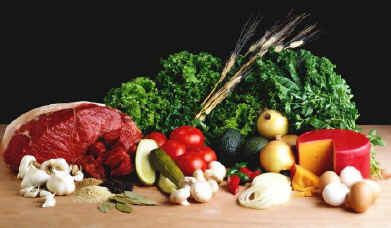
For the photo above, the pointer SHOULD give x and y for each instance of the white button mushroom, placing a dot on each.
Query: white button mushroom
(189, 180)
(216, 171)
(201, 191)
(213, 185)
(180, 196)
(199, 175)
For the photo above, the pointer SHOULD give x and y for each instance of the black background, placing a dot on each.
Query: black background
(71, 52)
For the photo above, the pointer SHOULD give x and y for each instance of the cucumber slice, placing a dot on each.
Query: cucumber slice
(165, 185)
(144, 170)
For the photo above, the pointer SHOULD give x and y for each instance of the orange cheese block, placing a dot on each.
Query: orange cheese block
(304, 180)
(334, 149)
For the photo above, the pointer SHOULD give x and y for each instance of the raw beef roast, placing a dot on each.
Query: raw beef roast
(100, 139)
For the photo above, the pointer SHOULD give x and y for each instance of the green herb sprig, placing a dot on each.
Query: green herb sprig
(122, 202)
(376, 140)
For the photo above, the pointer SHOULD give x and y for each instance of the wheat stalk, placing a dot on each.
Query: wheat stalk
(245, 35)
(273, 38)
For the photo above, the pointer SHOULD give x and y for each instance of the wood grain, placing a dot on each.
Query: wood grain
(222, 211)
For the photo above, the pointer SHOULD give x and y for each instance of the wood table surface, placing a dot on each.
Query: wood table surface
(221, 211)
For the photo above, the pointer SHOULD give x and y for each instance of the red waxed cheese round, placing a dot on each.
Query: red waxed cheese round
(349, 148)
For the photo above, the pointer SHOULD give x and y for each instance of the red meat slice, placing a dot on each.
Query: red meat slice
(97, 149)
(73, 131)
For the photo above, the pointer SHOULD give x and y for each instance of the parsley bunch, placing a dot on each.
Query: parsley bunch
(140, 99)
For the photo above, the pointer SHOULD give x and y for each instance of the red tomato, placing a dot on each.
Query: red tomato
(174, 148)
(159, 137)
(190, 136)
(207, 154)
(190, 162)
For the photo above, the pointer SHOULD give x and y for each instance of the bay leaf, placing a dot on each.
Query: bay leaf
(123, 207)
(139, 199)
(121, 199)
(106, 206)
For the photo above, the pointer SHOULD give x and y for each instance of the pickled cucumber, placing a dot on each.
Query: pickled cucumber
(165, 185)
(163, 163)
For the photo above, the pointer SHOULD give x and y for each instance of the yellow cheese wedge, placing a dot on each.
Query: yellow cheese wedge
(316, 156)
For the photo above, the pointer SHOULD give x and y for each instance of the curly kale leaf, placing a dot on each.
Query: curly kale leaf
(181, 85)
(307, 89)
(238, 111)
(139, 98)
(185, 81)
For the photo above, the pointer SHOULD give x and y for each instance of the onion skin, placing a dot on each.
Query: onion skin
(271, 123)
(276, 156)
(266, 190)
(290, 139)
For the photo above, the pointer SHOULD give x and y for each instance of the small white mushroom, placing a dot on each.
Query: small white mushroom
(216, 171)
(350, 175)
(199, 175)
(213, 185)
(180, 196)
(189, 180)
(201, 191)
(335, 193)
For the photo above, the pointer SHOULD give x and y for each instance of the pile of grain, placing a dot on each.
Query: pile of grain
(92, 194)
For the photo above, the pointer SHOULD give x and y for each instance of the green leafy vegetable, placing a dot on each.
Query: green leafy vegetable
(375, 140)
(307, 89)
(185, 80)
(140, 99)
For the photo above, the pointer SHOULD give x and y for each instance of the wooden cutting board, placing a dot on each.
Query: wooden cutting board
(222, 211)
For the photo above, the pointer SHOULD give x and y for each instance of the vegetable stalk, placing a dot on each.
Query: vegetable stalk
(274, 38)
